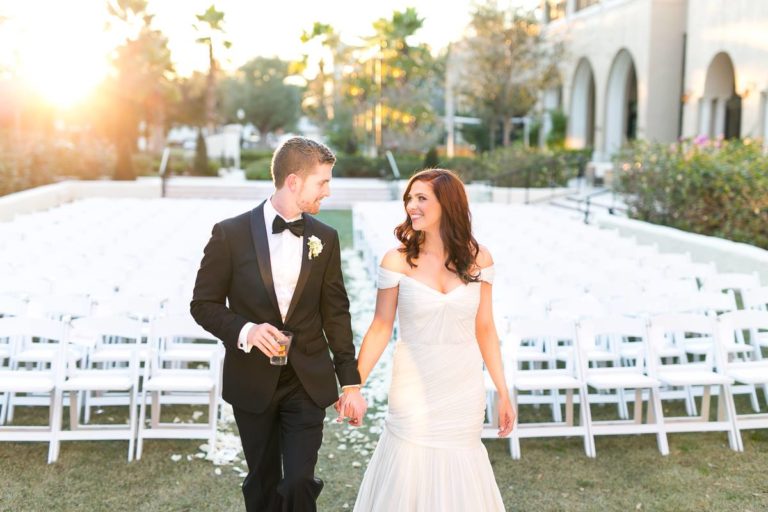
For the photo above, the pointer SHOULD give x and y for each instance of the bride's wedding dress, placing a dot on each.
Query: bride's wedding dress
(430, 457)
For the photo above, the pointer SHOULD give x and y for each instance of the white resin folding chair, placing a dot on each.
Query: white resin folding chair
(705, 374)
(186, 385)
(752, 372)
(622, 379)
(757, 299)
(118, 376)
(111, 342)
(529, 380)
(37, 380)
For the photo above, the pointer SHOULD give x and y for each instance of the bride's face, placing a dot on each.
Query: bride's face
(422, 206)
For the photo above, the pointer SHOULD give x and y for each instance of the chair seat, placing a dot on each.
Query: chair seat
(190, 353)
(108, 353)
(692, 377)
(620, 379)
(704, 347)
(23, 381)
(96, 380)
(44, 354)
(176, 382)
(749, 373)
(534, 382)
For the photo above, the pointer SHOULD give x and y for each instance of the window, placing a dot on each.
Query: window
(554, 9)
(583, 4)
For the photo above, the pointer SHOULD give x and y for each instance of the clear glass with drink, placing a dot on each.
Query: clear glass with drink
(285, 345)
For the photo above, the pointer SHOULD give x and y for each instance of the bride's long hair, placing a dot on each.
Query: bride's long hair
(455, 224)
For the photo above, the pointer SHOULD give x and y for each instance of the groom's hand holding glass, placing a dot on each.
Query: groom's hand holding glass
(264, 337)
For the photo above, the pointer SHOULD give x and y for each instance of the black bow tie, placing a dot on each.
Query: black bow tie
(296, 227)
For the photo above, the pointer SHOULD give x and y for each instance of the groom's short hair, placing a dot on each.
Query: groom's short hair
(298, 155)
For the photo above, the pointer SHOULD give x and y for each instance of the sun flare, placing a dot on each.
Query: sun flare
(62, 55)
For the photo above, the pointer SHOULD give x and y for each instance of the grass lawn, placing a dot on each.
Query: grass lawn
(700, 474)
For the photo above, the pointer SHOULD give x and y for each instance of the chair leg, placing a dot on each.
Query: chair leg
(734, 436)
(212, 421)
(690, 402)
(9, 412)
(132, 426)
(141, 426)
(585, 415)
(56, 411)
(658, 418)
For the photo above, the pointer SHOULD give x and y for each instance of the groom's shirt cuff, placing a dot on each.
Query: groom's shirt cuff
(242, 340)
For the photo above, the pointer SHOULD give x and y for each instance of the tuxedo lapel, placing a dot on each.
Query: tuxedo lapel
(261, 244)
(306, 265)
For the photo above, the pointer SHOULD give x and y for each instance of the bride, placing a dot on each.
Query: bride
(430, 456)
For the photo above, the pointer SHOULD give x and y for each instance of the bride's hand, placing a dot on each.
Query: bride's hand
(507, 417)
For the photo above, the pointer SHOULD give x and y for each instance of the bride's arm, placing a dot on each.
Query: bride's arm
(490, 347)
(378, 334)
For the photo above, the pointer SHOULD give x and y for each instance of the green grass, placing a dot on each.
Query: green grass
(701, 473)
(342, 221)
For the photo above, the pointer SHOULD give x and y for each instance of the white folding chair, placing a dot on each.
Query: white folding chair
(37, 380)
(111, 341)
(185, 385)
(705, 374)
(117, 376)
(621, 379)
(531, 376)
(752, 372)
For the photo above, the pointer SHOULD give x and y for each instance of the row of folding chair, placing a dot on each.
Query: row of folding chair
(106, 362)
(556, 364)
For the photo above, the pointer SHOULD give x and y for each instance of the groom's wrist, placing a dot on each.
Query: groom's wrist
(242, 340)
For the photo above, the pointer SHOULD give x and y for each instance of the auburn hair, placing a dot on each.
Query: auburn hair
(455, 224)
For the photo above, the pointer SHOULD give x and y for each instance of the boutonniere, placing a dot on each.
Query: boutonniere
(315, 247)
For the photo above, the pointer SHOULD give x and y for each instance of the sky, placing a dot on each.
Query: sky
(61, 48)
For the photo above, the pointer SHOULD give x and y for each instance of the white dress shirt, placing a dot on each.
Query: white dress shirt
(285, 250)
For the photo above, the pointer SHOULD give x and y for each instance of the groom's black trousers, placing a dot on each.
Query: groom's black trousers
(290, 428)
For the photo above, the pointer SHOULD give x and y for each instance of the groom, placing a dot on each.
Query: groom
(277, 268)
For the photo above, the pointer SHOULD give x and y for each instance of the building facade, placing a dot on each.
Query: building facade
(659, 70)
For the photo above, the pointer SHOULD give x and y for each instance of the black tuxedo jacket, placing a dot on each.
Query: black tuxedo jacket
(234, 286)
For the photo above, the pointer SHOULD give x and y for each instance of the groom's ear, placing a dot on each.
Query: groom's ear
(292, 182)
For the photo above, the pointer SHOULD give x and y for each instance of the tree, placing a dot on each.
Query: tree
(259, 89)
(140, 88)
(507, 63)
(212, 30)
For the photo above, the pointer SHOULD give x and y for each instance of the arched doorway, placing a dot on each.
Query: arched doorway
(621, 103)
(581, 122)
(720, 106)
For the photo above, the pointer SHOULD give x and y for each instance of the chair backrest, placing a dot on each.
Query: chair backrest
(675, 328)
(706, 302)
(732, 325)
(756, 298)
(108, 330)
(619, 332)
(543, 336)
(738, 282)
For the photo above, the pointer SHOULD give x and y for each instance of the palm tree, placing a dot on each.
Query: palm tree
(212, 30)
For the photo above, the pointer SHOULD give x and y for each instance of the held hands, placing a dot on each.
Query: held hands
(352, 405)
(507, 417)
(262, 336)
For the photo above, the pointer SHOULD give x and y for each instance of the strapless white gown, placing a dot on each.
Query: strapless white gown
(429, 457)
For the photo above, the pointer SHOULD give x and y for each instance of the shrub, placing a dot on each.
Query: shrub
(33, 160)
(709, 187)
(259, 169)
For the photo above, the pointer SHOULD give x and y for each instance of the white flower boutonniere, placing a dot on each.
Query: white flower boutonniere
(315, 247)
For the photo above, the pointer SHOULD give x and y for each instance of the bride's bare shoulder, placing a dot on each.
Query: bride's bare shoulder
(394, 260)
(484, 258)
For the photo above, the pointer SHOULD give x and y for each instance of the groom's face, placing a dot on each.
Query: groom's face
(315, 187)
